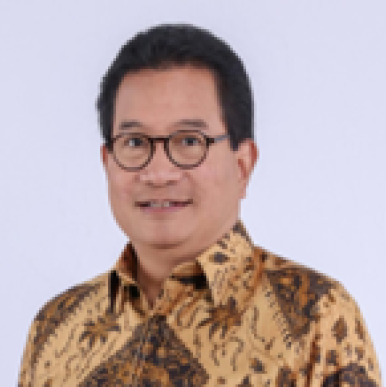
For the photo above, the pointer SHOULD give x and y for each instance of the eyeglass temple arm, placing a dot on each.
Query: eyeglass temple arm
(212, 140)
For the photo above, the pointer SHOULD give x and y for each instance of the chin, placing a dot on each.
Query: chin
(164, 240)
(164, 245)
(156, 238)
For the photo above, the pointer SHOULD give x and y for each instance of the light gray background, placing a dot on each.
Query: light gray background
(317, 194)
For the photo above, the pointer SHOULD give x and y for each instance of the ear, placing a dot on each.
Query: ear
(104, 154)
(247, 154)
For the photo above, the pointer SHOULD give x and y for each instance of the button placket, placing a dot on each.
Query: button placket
(159, 313)
(138, 363)
(133, 295)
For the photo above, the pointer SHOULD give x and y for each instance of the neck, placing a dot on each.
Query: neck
(155, 266)
(149, 284)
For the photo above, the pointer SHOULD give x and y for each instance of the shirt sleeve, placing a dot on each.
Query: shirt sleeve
(26, 368)
(343, 353)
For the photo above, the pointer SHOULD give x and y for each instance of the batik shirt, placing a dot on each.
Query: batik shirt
(235, 316)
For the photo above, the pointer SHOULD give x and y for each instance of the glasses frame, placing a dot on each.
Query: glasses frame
(165, 140)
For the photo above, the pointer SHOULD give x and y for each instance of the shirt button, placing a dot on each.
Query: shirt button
(132, 291)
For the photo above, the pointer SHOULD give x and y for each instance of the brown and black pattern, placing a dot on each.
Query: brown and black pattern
(238, 228)
(161, 360)
(359, 330)
(332, 357)
(316, 354)
(359, 352)
(352, 375)
(223, 318)
(306, 328)
(221, 350)
(339, 330)
(55, 312)
(257, 366)
(197, 281)
(99, 329)
(298, 291)
(221, 256)
(245, 383)
(286, 378)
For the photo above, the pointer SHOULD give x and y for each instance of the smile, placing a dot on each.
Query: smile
(163, 204)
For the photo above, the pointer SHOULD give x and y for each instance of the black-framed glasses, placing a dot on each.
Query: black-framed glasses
(185, 148)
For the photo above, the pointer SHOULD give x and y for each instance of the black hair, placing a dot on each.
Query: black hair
(165, 46)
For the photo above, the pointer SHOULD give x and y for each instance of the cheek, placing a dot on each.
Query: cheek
(218, 184)
(119, 186)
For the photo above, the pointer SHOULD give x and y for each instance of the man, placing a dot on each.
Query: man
(191, 301)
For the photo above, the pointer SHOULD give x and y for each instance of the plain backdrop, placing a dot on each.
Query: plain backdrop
(317, 196)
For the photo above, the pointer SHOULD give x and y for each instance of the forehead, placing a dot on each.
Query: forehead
(159, 97)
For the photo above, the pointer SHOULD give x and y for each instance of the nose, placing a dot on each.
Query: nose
(160, 171)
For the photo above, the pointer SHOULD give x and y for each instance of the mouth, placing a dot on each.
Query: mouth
(163, 204)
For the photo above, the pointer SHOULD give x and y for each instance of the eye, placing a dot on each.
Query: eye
(190, 141)
(134, 142)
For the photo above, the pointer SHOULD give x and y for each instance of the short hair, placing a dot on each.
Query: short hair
(166, 46)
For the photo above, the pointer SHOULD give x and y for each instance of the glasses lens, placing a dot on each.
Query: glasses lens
(132, 150)
(187, 148)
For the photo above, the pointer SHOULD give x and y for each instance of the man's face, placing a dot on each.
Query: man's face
(206, 198)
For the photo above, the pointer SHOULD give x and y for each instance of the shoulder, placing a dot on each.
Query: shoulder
(303, 295)
(317, 313)
(289, 276)
(67, 302)
(285, 275)
(61, 313)
(59, 323)
(68, 308)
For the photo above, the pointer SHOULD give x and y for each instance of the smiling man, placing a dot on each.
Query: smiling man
(168, 195)
(191, 301)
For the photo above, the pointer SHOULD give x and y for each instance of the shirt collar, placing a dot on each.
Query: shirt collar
(217, 264)
(223, 259)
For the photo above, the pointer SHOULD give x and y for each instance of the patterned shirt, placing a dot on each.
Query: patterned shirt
(235, 316)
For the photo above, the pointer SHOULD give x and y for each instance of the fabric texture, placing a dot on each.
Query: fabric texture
(236, 316)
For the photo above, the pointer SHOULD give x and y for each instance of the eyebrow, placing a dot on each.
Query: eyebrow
(131, 124)
(192, 123)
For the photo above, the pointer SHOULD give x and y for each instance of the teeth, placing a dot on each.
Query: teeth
(160, 204)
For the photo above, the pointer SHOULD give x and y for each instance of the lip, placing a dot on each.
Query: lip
(177, 205)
